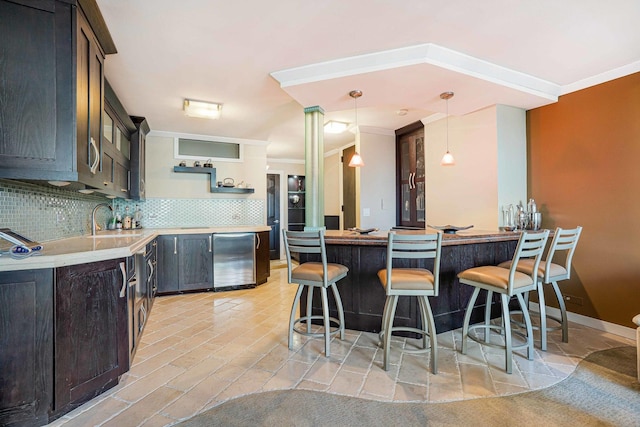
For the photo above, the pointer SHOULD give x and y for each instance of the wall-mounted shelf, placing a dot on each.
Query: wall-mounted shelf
(212, 180)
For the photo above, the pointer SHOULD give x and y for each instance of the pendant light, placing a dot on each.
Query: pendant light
(356, 160)
(447, 159)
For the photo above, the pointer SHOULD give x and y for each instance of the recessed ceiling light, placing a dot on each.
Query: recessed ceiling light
(59, 183)
(202, 109)
(335, 127)
(402, 112)
(86, 191)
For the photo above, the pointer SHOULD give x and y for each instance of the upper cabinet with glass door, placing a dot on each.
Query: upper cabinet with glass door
(410, 176)
(116, 136)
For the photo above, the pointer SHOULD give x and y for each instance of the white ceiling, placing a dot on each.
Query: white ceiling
(267, 60)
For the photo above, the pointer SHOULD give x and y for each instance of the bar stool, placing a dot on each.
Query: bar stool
(312, 275)
(549, 273)
(508, 283)
(417, 282)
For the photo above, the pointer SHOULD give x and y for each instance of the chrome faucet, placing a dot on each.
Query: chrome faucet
(93, 216)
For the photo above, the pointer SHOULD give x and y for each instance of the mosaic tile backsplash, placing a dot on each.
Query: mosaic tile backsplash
(44, 213)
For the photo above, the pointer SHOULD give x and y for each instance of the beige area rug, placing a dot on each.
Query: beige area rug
(602, 391)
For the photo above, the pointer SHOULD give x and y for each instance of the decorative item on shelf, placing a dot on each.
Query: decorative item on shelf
(208, 164)
(182, 164)
(196, 164)
(241, 184)
(449, 229)
(295, 199)
(228, 182)
(356, 160)
(447, 159)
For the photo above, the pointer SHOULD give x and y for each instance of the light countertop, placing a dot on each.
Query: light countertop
(105, 245)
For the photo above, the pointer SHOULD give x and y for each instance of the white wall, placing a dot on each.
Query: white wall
(512, 157)
(377, 178)
(163, 182)
(489, 147)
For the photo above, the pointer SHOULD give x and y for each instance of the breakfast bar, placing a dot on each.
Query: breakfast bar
(363, 297)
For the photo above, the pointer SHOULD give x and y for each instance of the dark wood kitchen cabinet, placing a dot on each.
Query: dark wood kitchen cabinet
(36, 90)
(117, 130)
(94, 166)
(51, 91)
(151, 266)
(185, 263)
(138, 157)
(91, 331)
(26, 347)
(263, 263)
(410, 176)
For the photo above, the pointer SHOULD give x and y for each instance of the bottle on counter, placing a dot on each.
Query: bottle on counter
(126, 220)
(137, 218)
(531, 206)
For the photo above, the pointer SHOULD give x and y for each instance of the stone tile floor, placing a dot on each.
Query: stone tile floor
(199, 350)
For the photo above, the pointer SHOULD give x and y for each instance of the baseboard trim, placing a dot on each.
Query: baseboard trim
(590, 322)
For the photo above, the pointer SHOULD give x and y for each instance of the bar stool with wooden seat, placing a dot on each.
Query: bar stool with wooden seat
(416, 282)
(549, 273)
(313, 275)
(508, 283)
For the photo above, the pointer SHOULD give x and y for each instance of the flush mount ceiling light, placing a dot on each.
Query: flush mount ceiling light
(335, 127)
(447, 159)
(202, 109)
(356, 160)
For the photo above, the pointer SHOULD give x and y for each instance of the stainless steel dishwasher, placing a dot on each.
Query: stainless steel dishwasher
(233, 259)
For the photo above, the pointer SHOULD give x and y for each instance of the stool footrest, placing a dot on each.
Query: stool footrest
(501, 333)
(422, 332)
(317, 334)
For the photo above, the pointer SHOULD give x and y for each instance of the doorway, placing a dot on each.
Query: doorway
(273, 214)
(348, 189)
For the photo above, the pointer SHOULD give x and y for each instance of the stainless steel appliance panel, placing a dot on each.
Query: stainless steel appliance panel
(233, 259)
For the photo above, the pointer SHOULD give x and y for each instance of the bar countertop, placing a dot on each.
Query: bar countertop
(376, 238)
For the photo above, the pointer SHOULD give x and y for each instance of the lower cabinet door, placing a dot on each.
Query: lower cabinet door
(263, 263)
(167, 266)
(26, 347)
(91, 331)
(195, 261)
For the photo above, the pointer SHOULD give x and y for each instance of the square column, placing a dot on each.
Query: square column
(314, 167)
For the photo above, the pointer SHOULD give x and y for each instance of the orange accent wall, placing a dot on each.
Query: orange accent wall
(584, 169)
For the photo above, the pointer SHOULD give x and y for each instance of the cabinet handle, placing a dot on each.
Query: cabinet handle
(413, 180)
(123, 289)
(258, 239)
(175, 245)
(124, 190)
(210, 247)
(410, 175)
(96, 162)
(150, 264)
(143, 310)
